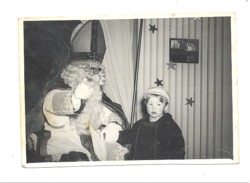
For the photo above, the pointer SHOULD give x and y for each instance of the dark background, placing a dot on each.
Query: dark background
(46, 52)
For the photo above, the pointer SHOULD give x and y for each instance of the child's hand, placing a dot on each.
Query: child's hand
(111, 132)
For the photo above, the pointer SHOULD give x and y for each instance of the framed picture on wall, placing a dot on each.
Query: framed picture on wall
(184, 50)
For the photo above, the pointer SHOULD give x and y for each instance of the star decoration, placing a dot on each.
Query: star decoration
(152, 28)
(171, 65)
(197, 19)
(159, 82)
(189, 101)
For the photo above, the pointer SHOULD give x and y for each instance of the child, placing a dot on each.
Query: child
(156, 136)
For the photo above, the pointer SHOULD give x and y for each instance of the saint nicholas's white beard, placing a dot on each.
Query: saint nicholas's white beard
(90, 114)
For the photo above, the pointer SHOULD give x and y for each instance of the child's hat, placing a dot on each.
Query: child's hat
(158, 90)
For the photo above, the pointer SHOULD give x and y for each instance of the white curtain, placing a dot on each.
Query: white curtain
(118, 62)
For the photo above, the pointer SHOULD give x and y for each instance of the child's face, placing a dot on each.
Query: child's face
(155, 107)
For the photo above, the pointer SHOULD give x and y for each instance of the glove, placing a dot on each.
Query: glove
(83, 91)
(111, 132)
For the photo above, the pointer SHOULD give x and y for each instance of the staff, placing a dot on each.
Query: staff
(133, 113)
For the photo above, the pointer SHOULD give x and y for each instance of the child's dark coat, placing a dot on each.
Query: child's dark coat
(154, 140)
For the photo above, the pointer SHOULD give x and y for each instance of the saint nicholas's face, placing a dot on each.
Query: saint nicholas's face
(92, 71)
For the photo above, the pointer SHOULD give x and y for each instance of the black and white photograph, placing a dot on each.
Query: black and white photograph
(124, 91)
(128, 90)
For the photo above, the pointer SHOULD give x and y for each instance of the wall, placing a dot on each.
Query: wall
(207, 124)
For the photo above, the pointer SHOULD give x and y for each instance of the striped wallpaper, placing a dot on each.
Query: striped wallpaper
(207, 125)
